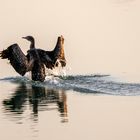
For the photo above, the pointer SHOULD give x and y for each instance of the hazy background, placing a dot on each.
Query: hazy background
(101, 36)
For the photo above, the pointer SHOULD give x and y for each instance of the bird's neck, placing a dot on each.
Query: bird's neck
(32, 45)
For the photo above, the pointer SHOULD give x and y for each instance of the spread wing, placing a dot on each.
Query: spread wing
(17, 58)
(52, 58)
(58, 52)
(46, 58)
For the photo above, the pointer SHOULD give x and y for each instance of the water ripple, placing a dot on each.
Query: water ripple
(99, 84)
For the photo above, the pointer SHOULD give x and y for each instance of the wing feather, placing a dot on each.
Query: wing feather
(52, 58)
(58, 52)
(16, 57)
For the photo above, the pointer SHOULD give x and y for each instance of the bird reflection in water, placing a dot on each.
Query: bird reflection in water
(39, 98)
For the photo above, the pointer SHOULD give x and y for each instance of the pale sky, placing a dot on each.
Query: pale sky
(101, 36)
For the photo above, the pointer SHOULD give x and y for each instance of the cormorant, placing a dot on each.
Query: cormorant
(36, 59)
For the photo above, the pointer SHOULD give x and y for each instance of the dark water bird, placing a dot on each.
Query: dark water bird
(36, 59)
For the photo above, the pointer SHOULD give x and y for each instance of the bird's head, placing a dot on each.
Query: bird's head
(29, 38)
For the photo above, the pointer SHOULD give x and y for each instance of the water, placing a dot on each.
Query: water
(68, 107)
(93, 84)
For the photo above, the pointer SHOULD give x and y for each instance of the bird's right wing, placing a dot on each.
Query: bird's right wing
(53, 58)
(46, 58)
(17, 58)
(58, 52)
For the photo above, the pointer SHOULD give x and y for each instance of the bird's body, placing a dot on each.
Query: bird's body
(36, 59)
(36, 65)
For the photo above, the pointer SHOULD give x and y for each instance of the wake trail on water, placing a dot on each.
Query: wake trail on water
(88, 84)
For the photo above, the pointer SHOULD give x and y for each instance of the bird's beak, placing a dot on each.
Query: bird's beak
(24, 37)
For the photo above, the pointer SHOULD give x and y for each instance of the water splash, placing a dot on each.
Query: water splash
(58, 71)
(99, 84)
